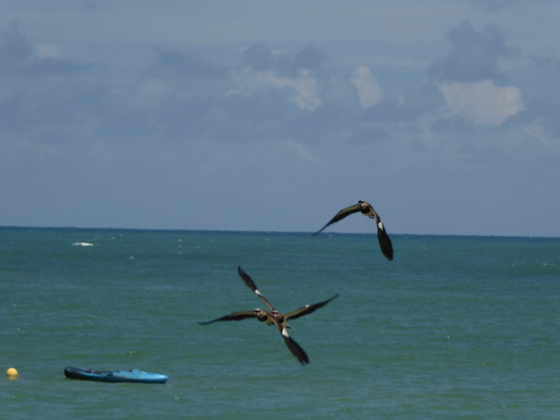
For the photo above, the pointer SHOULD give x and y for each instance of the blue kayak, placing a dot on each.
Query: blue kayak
(135, 375)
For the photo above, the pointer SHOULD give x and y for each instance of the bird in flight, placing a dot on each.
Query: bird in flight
(273, 317)
(367, 210)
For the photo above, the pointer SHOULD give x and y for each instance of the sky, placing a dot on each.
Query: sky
(274, 115)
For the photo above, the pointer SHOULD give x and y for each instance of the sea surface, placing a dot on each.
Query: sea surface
(453, 328)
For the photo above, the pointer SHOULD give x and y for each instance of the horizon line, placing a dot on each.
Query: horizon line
(22, 227)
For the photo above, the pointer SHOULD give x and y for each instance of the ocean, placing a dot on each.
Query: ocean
(454, 327)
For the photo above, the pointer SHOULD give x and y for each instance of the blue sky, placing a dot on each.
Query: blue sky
(272, 116)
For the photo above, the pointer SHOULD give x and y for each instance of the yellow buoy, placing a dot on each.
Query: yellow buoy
(12, 373)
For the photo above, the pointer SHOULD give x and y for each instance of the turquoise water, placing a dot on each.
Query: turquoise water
(454, 327)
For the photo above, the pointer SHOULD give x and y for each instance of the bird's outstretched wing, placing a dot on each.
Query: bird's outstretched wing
(292, 345)
(307, 309)
(355, 208)
(384, 241)
(235, 316)
(295, 348)
(251, 284)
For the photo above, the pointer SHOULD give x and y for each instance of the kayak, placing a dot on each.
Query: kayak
(135, 375)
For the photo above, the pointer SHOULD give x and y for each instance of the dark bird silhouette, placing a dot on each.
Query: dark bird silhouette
(367, 210)
(273, 317)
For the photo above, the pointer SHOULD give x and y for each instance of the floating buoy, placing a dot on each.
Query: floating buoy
(12, 373)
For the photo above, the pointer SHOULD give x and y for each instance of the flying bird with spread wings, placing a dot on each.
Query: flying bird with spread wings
(367, 210)
(273, 317)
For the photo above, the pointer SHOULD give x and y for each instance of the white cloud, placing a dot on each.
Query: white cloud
(46, 50)
(301, 151)
(482, 103)
(537, 130)
(369, 91)
(304, 89)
